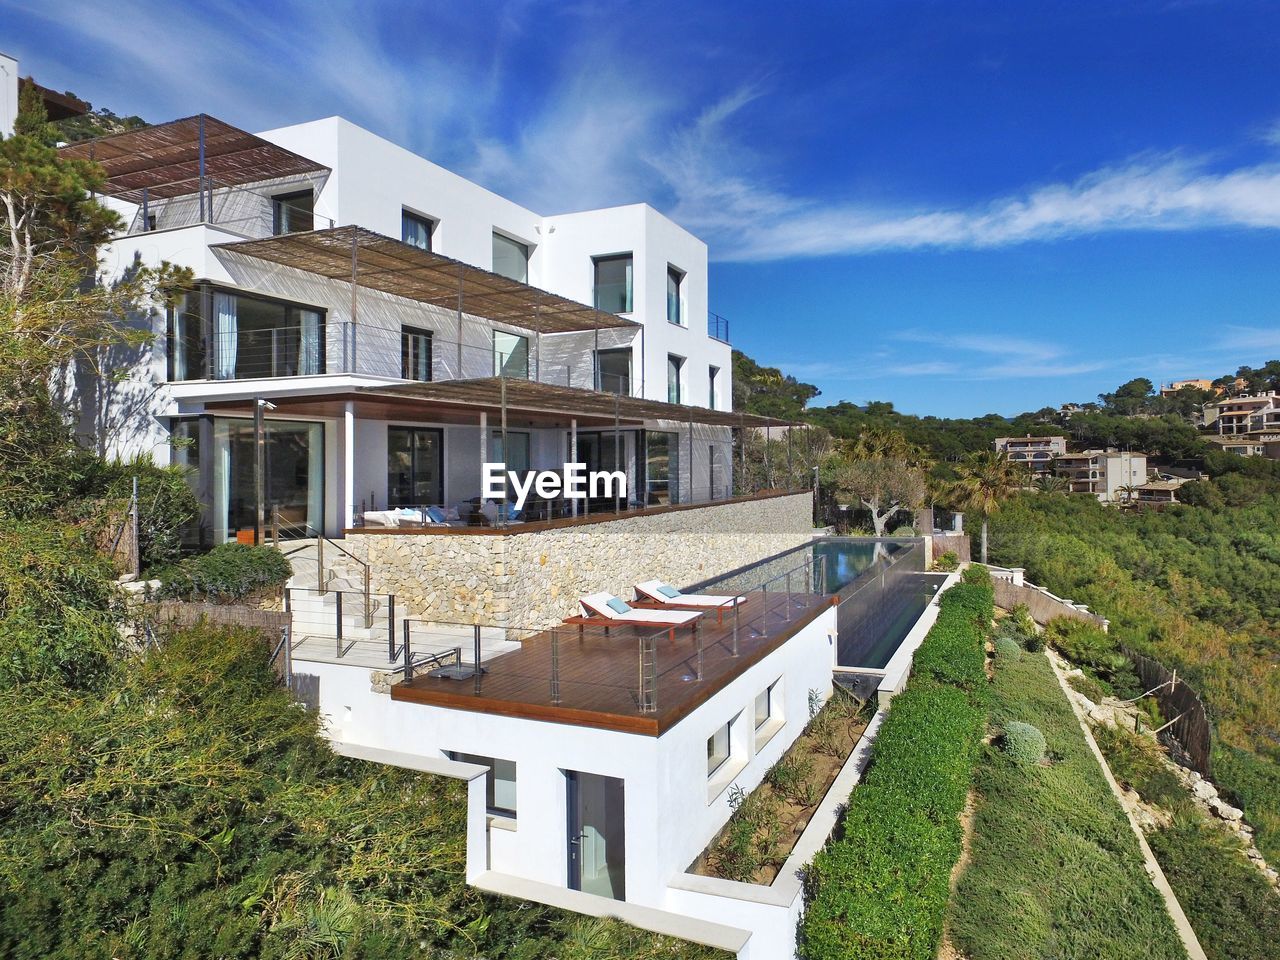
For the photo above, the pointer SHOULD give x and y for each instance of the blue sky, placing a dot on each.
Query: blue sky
(960, 207)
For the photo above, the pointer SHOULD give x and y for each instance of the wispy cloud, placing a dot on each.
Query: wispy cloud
(596, 125)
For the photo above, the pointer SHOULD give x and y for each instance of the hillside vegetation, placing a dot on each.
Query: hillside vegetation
(1195, 587)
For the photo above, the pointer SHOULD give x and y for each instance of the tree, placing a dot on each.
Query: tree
(767, 390)
(56, 314)
(984, 480)
(1052, 483)
(882, 472)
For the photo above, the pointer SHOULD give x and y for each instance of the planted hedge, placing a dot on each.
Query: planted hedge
(880, 891)
(226, 573)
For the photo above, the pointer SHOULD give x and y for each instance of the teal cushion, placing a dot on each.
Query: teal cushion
(618, 606)
(669, 592)
(436, 514)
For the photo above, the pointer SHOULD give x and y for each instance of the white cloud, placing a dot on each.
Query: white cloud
(598, 126)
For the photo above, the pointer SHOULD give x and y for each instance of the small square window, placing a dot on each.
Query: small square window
(500, 782)
(293, 212)
(416, 230)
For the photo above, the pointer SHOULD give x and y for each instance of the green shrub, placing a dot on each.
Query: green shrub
(228, 572)
(881, 889)
(1096, 652)
(166, 504)
(1021, 615)
(1023, 743)
(1087, 685)
(1235, 913)
(1033, 640)
(977, 574)
(947, 562)
(57, 606)
(1008, 648)
(904, 531)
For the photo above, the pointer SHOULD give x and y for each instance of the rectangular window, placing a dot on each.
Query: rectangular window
(415, 466)
(613, 371)
(718, 749)
(415, 353)
(712, 374)
(187, 338)
(254, 337)
(516, 454)
(613, 283)
(674, 367)
(510, 355)
(675, 312)
(510, 258)
(764, 706)
(662, 467)
(500, 782)
(293, 212)
(293, 471)
(416, 230)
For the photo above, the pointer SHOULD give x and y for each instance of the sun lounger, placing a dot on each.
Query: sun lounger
(656, 595)
(606, 610)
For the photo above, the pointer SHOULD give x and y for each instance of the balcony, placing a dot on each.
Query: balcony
(319, 348)
(717, 327)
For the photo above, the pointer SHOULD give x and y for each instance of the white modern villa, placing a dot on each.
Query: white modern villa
(364, 331)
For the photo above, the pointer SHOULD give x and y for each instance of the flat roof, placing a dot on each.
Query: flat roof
(383, 263)
(596, 676)
(165, 159)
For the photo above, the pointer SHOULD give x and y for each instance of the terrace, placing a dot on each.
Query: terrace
(625, 678)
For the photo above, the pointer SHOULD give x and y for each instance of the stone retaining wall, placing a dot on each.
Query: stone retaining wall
(534, 578)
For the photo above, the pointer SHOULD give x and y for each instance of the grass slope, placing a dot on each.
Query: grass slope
(1055, 870)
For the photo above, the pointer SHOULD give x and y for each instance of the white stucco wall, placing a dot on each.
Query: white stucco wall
(671, 812)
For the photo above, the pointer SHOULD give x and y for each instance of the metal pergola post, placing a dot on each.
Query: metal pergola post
(259, 470)
(768, 467)
(742, 452)
(355, 235)
(461, 268)
(200, 165)
(692, 498)
(502, 381)
(617, 448)
(145, 211)
(595, 362)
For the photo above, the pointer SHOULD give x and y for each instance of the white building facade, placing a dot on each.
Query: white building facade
(332, 266)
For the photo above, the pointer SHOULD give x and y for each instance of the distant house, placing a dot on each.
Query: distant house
(1173, 386)
(1248, 425)
(1158, 493)
(1103, 473)
(1037, 453)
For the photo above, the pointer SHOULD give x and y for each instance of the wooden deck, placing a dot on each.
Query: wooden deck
(599, 676)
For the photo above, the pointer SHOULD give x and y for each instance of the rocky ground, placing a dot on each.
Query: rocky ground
(1203, 793)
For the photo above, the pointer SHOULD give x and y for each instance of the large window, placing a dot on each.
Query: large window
(187, 338)
(294, 473)
(718, 745)
(415, 467)
(510, 355)
(510, 258)
(415, 353)
(675, 366)
(245, 337)
(662, 467)
(500, 782)
(416, 230)
(293, 212)
(675, 311)
(613, 283)
(613, 368)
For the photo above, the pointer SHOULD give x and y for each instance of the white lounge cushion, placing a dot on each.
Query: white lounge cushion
(654, 590)
(597, 605)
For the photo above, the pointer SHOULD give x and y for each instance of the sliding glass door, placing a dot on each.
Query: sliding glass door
(293, 471)
(415, 467)
(251, 337)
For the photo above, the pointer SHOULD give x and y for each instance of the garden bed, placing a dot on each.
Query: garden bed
(767, 823)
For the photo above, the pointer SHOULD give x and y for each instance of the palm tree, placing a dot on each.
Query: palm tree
(1128, 492)
(1052, 483)
(984, 480)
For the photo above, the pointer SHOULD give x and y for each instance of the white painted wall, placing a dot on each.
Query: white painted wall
(8, 94)
(672, 811)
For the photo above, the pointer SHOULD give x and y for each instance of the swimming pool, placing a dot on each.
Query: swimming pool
(881, 586)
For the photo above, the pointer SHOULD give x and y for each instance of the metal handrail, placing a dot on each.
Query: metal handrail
(323, 579)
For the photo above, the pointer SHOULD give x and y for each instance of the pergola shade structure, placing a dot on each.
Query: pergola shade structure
(492, 393)
(181, 157)
(368, 259)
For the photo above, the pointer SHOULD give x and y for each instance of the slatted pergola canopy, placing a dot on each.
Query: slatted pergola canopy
(492, 393)
(382, 263)
(165, 159)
